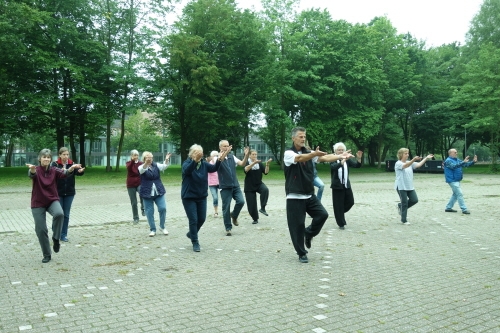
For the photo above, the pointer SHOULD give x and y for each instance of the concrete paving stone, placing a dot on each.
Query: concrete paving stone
(377, 265)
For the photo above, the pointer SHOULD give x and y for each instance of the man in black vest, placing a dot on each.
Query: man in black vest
(229, 185)
(299, 177)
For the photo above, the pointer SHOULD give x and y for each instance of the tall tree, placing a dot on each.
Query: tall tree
(206, 90)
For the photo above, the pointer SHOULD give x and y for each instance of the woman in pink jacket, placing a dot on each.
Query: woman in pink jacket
(213, 182)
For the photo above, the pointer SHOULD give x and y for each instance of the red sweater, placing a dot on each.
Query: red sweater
(133, 176)
(44, 190)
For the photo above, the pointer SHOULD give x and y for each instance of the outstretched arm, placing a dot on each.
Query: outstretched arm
(428, 157)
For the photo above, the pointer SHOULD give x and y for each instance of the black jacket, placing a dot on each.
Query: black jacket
(66, 186)
(334, 167)
(299, 177)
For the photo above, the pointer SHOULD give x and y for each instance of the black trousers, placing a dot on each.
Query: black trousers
(296, 210)
(343, 200)
(251, 199)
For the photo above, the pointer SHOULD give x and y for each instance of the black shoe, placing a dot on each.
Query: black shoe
(57, 245)
(188, 235)
(303, 259)
(235, 220)
(196, 247)
(255, 222)
(449, 210)
(46, 259)
(342, 227)
(308, 242)
(143, 213)
(228, 232)
(263, 212)
(466, 212)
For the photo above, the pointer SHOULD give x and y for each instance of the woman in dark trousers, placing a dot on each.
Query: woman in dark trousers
(66, 188)
(253, 185)
(342, 196)
(134, 184)
(45, 199)
(194, 193)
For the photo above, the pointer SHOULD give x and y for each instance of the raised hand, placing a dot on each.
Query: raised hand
(32, 167)
(318, 152)
(347, 154)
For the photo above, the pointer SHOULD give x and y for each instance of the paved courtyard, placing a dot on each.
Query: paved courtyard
(439, 274)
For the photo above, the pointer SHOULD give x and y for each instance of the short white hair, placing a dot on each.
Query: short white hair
(134, 152)
(338, 145)
(194, 148)
(214, 153)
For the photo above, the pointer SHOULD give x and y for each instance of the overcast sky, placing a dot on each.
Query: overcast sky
(435, 21)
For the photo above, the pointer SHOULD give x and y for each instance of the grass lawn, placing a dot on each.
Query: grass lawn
(18, 176)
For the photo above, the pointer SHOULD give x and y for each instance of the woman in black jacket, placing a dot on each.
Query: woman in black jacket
(342, 196)
(66, 188)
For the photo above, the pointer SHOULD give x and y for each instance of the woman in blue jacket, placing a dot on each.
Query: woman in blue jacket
(194, 190)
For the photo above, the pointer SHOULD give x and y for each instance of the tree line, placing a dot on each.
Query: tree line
(72, 68)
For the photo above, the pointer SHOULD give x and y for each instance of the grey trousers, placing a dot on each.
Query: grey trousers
(39, 214)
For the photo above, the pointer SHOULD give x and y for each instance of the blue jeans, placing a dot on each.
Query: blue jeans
(408, 199)
(214, 190)
(66, 202)
(196, 212)
(456, 196)
(226, 195)
(320, 185)
(149, 208)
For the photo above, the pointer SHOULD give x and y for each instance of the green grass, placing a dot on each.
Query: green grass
(18, 176)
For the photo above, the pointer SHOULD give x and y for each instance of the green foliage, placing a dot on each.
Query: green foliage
(139, 134)
(71, 69)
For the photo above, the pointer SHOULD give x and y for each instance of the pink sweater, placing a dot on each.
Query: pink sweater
(213, 178)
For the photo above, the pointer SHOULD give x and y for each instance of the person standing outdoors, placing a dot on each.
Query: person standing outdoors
(134, 184)
(66, 188)
(342, 196)
(253, 185)
(404, 181)
(194, 194)
(213, 182)
(299, 188)
(453, 175)
(152, 190)
(229, 185)
(45, 199)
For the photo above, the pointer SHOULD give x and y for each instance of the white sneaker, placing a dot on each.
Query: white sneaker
(165, 232)
(152, 234)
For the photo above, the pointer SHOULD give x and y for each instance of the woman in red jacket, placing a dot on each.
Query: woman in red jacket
(45, 199)
(134, 183)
